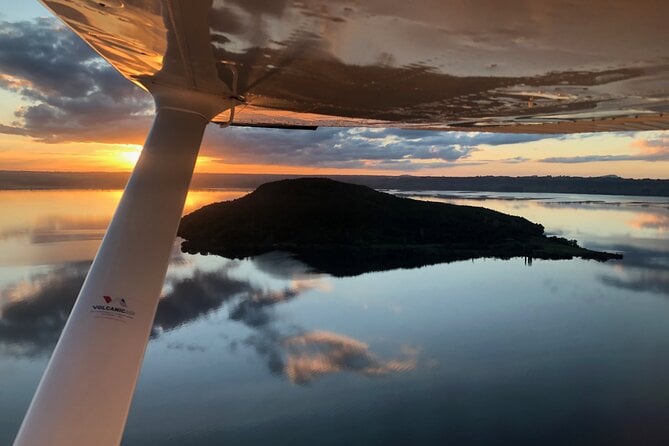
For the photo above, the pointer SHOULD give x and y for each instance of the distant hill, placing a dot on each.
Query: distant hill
(358, 228)
(605, 185)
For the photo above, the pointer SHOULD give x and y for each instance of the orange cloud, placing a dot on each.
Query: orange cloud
(655, 147)
(14, 83)
(319, 353)
(650, 221)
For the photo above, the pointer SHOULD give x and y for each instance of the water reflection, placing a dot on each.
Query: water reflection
(264, 348)
(59, 228)
(36, 309)
(596, 221)
(656, 282)
(292, 351)
(322, 352)
(651, 221)
(650, 254)
(635, 226)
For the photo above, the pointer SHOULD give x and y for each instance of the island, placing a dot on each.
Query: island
(347, 229)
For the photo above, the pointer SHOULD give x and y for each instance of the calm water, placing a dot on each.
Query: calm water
(264, 351)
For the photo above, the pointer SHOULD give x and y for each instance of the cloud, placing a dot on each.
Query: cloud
(72, 94)
(597, 159)
(652, 149)
(379, 148)
(515, 160)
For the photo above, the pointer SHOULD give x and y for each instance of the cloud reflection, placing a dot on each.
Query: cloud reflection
(196, 296)
(651, 221)
(642, 270)
(641, 257)
(299, 355)
(58, 228)
(34, 312)
(316, 353)
(640, 281)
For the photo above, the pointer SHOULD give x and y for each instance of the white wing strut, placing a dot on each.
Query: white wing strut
(85, 394)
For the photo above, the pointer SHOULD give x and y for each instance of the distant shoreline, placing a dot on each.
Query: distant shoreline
(606, 185)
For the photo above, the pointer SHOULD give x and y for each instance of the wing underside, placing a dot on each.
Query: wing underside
(540, 66)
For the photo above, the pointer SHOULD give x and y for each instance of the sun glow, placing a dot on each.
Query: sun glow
(129, 155)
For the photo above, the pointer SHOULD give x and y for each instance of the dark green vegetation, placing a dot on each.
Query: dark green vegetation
(345, 229)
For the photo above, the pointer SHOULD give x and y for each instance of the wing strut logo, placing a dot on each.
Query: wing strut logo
(113, 308)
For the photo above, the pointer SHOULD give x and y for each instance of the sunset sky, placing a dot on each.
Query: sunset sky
(63, 108)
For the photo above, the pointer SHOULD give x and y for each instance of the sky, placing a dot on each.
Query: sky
(62, 108)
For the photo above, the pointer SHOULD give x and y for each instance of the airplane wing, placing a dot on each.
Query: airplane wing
(533, 66)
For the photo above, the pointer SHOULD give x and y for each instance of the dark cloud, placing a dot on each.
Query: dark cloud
(37, 310)
(641, 258)
(204, 292)
(196, 296)
(640, 281)
(72, 94)
(515, 160)
(253, 310)
(267, 344)
(643, 268)
(353, 147)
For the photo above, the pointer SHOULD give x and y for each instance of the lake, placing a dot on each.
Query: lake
(268, 351)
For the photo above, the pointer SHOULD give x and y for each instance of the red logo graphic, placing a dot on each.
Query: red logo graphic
(107, 299)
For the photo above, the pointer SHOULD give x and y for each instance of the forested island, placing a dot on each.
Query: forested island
(346, 229)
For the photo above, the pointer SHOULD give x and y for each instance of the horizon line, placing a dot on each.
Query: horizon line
(123, 172)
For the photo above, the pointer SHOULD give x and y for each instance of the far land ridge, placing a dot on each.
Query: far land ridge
(601, 185)
(347, 229)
